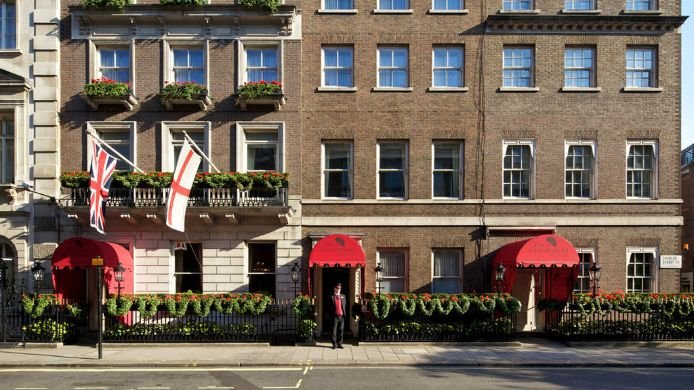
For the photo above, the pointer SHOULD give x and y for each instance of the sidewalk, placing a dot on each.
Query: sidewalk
(526, 353)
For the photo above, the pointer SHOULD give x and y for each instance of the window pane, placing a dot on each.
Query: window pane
(392, 185)
(338, 156)
(337, 185)
(446, 156)
(262, 157)
(446, 185)
(392, 156)
(188, 268)
(445, 286)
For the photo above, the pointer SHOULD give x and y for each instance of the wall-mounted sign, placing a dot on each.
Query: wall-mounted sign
(670, 261)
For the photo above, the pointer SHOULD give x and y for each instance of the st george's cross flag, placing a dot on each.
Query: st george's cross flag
(101, 167)
(176, 203)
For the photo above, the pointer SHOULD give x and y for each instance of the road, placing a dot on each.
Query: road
(400, 378)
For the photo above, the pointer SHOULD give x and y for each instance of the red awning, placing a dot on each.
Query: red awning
(77, 252)
(545, 251)
(337, 250)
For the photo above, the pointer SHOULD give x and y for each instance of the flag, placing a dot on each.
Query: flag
(182, 181)
(101, 167)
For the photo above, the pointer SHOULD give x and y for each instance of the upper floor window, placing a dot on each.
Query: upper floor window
(118, 135)
(259, 146)
(262, 64)
(338, 4)
(177, 138)
(393, 4)
(172, 141)
(518, 5)
(392, 170)
(579, 5)
(114, 64)
(580, 166)
(641, 5)
(448, 5)
(447, 169)
(448, 67)
(394, 263)
(393, 67)
(640, 269)
(447, 266)
(337, 170)
(586, 258)
(579, 67)
(518, 169)
(8, 24)
(188, 64)
(641, 67)
(641, 169)
(7, 151)
(518, 67)
(338, 66)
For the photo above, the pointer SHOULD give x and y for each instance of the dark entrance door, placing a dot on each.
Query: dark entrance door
(332, 276)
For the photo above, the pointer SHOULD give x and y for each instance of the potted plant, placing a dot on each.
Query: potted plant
(106, 91)
(265, 5)
(184, 93)
(117, 4)
(260, 93)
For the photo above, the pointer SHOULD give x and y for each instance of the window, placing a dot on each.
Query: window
(188, 64)
(641, 5)
(393, 4)
(585, 260)
(338, 4)
(172, 142)
(259, 146)
(262, 261)
(394, 263)
(393, 67)
(641, 169)
(447, 169)
(447, 265)
(448, 67)
(448, 5)
(579, 5)
(392, 170)
(262, 64)
(8, 24)
(7, 151)
(8, 255)
(580, 166)
(188, 271)
(518, 67)
(641, 67)
(118, 135)
(640, 263)
(518, 5)
(579, 67)
(337, 67)
(114, 63)
(337, 170)
(518, 169)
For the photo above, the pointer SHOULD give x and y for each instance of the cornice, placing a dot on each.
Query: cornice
(582, 24)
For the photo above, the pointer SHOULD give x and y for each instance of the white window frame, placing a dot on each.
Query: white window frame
(337, 10)
(462, 8)
(653, 78)
(652, 6)
(593, 6)
(407, 9)
(172, 265)
(247, 263)
(406, 258)
(167, 149)
(593, 179)
(654, 178)
(654, 266)
(168, 59)
(378, 67)
(531, 69)
(101, 127)
(460, 48)
(461, 165)
(261, 127)
(405, 170)
(459, 251)
(324, 170)
(594, 260)
(12, 142)
(592, 83)
(242, 58)
(95, 47)
(531, 6)
(505, 145)
(324, 67)
(3, 11)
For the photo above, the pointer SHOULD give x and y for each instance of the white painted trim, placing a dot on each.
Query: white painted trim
(497, 221)
(251, 43)
(130, 126)
(461, 167)
(168, 62)
(351, 168)
(654, 183)
(531, 144)
(333, 88)
(406, 169)
(378, 86)
(594, 179)
(167, 156)
(654, 267)
(460, 88)
(242, 127)
(461, 264)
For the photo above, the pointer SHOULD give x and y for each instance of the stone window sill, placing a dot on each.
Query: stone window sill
(520, 12)
(581, 89)
(443, 89)
(643, 12)
(9, 53)
(519, 89)
(394, 11)
(581, 11)
(448, 11)
(642, 89)
(395, 89)
(336, 89)
(338, 11)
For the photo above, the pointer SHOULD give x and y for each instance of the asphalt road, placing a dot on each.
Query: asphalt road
(399, 378)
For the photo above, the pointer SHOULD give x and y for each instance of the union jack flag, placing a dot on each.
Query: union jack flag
(101, 167)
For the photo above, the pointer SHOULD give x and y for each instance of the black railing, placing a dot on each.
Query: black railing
(576, 325)
(199, 197)
(278, 325)
(55, 324)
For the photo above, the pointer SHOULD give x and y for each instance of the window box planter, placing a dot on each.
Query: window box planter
(260, 94)
(203, 102)
(104, 91)
(128, 101)
(185, 94)
(274, 101)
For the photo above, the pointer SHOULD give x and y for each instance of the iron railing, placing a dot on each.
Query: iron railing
(278, 325)
(55, 324)
(199, 197)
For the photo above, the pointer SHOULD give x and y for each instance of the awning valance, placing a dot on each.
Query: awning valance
(337, 250)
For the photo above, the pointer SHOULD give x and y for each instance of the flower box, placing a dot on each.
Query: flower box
(104, 91)
(203, 102)
(260, 94)
(185, 94)
(128, 101)
(274, 101)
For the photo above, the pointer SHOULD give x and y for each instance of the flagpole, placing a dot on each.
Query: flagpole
(200, 152)
(114, 151)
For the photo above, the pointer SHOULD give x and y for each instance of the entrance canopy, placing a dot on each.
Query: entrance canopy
(545, 251)
(75, 254)
(337, 250)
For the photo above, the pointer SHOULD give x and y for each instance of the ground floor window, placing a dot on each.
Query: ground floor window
(640, 264)
(585, 260)
(446, 271)
(394, 263)
(262, 263)
(188, 271)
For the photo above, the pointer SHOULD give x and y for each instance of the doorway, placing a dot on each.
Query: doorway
(331, 277)
(528, 288)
